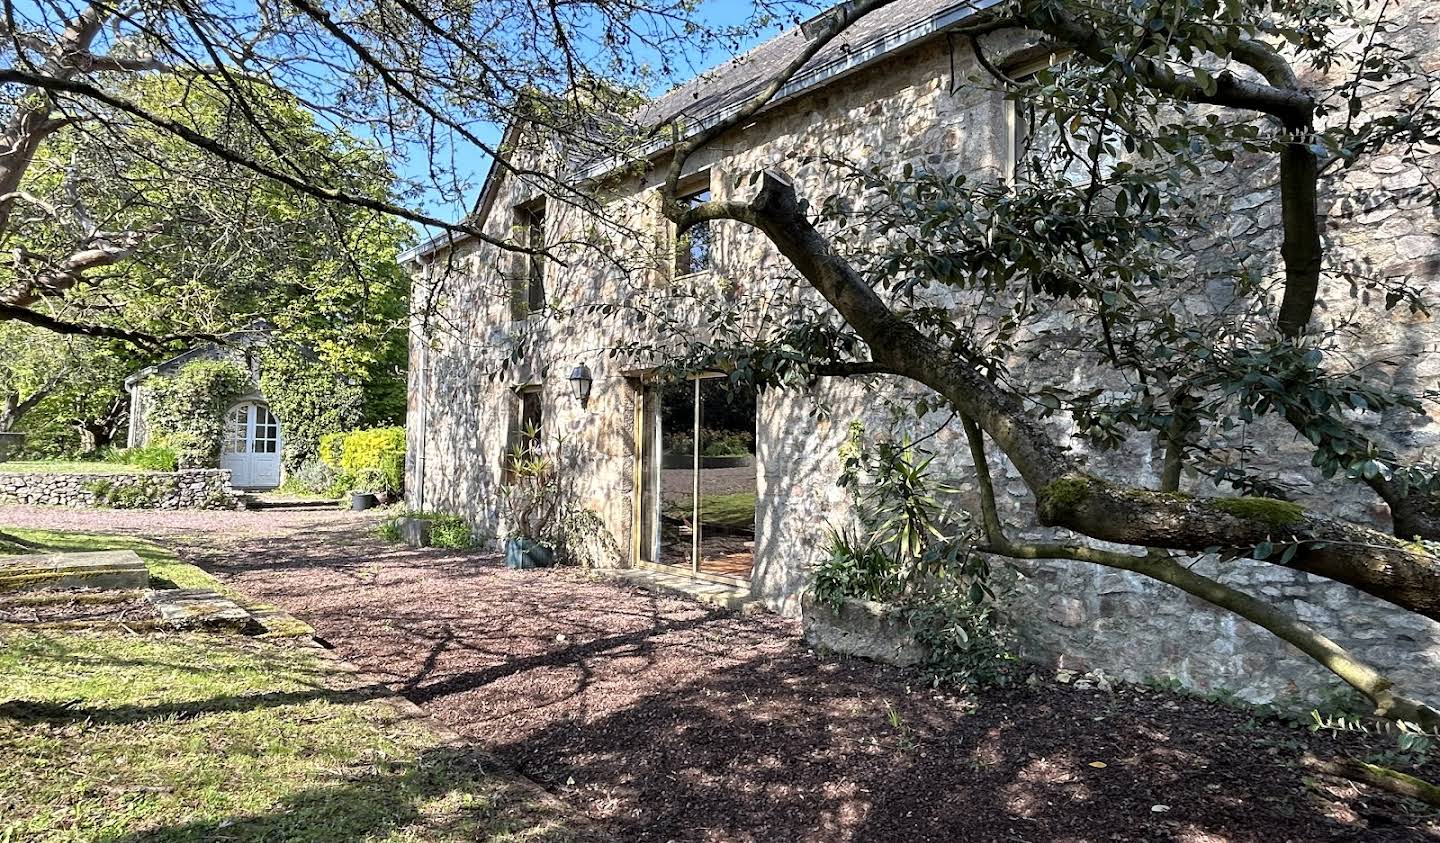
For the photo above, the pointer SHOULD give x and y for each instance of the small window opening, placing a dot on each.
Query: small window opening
(532, 418)
(693, 248)
(526, 433)
(530, 298)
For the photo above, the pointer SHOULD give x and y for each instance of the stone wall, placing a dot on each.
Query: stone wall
(915, 107)
(194, 488)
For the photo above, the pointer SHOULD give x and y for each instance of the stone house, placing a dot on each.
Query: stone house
(496, 359)
(253, 439)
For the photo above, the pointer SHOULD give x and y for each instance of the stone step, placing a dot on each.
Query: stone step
(120, 569)
(198, 608)
(716, 594)
(276, 623)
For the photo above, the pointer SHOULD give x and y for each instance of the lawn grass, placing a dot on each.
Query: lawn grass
(166, 569)
(132, 738)
(128, 738)
(69, 467)
(735, 510)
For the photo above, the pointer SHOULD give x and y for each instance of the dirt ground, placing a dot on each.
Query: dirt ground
(667, 720)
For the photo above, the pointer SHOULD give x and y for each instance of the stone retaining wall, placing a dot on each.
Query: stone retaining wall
(193, 488)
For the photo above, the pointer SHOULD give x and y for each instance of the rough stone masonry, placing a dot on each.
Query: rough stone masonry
(192, 488)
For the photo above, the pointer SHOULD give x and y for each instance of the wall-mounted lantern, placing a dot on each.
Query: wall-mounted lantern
(580, 383)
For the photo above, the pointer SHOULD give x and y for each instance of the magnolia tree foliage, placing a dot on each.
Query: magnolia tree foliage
(1100, 254)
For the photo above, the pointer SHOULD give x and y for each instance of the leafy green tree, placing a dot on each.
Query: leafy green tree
(65, 392)
(1110, 218)
(222, 249)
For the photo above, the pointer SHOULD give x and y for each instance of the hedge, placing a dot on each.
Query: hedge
(378, 449)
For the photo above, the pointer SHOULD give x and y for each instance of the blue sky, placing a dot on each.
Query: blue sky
(472, 163)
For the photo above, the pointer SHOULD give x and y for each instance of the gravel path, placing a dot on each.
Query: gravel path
(671, 721)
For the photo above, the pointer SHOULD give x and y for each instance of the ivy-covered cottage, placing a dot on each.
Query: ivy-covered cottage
(690, 472)
(208, 395)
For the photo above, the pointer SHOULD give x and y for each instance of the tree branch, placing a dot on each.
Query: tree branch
(139, 338)
(1355, 673)
(1066, 496)
(200, 141)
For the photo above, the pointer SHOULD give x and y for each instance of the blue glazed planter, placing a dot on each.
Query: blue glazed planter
(524, 554)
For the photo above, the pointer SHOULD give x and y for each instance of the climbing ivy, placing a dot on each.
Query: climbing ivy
(309, 400)
(187, 410)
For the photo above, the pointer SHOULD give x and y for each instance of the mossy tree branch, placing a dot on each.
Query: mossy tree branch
(1161, 567)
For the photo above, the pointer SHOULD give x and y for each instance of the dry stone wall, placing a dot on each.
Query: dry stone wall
(916, 108)
(197, 488)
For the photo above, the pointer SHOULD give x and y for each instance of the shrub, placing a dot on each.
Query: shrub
(713, 443)
(332, 448)
(355, 454)
(449, 531)
(726, 443)
(964, 642)
(151, 458)
(856, 568)
(388, 530)
(906, 552)
(312, 477)
(369, 480)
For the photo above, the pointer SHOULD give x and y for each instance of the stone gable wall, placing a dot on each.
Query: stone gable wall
(192, 488)
(910, 108)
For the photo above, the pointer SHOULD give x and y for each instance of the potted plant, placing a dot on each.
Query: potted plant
(370, 484)
(530, 505)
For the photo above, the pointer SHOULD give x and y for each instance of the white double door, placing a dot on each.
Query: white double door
(252, 446)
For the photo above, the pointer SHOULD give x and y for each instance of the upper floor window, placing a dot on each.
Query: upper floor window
(693, 248)
(530, 286)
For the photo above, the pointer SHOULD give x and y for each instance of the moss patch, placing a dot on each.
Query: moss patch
(1066, 493)
(1272, 512)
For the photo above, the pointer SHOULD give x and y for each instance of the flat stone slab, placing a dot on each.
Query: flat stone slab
(120, 569)
(198, 608)
(716, 594)
(278, 624)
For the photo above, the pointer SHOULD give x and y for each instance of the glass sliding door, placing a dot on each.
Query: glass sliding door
(677, 421)
(696, 505)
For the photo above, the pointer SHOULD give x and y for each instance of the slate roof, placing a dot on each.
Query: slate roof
(742, 77)
(726, 87)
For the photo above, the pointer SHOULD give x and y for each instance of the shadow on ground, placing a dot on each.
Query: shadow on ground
(667, 720)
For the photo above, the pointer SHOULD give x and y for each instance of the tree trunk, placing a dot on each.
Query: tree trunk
(1066, 496)
(100, 432)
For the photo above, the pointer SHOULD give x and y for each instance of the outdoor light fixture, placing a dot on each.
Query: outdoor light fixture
(580, 382)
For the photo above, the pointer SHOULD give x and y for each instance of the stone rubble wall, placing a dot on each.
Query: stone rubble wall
(191, 488)
(916, 107)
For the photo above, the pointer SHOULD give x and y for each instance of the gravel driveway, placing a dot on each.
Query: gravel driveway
(667, 720)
